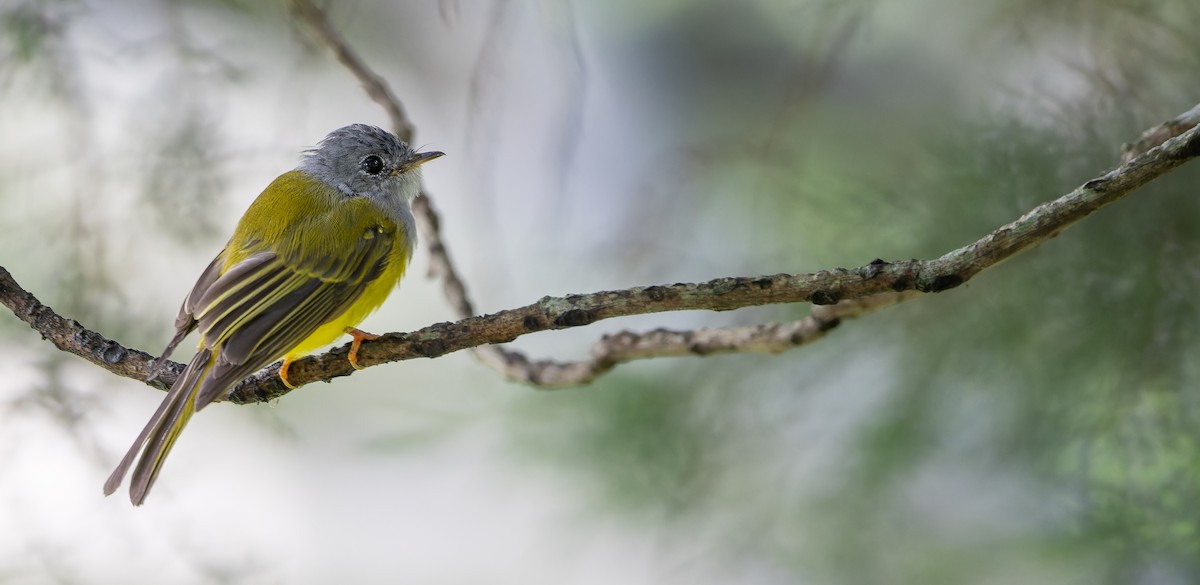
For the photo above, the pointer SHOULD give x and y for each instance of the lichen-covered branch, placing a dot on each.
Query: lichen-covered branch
(70, 336)
(516, 365)
(839, 293)
(626, 346)
(1161, 133)
(828, 287)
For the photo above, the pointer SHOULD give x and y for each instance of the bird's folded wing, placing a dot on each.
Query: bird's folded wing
(264, 306)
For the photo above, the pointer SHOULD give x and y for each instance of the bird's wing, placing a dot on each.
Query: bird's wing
(248, 316)
(265, 305)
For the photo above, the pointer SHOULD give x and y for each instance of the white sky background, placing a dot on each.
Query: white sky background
(401, 473)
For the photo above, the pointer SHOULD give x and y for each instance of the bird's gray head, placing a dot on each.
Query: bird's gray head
(365, 161)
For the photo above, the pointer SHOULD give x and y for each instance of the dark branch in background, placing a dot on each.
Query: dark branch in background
(377, 89)
(841, 293)
(441, 266)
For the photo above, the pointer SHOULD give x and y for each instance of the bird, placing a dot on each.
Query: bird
(316, 252)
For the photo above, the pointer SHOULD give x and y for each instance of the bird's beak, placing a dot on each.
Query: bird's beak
(417, 160)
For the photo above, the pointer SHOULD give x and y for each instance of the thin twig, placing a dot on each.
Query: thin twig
(372, 83)
(428, 221)
(626, 346)
(441, 264)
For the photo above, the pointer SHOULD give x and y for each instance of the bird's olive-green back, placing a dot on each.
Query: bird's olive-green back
(317, 230)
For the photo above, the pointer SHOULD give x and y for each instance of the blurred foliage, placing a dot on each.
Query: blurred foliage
(26, 29)
(644, 439)
(185, 182)
(1125, 42)
(180, 172)
(1063, 385)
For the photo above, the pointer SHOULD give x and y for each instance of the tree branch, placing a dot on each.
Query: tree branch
(626, 346)
(514, 364)
(377, 89)
(1159, 134)
(841, 293)
(828, 287)
(70, 336)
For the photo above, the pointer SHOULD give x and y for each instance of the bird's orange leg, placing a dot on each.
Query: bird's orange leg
(287, 361)
(358, 336)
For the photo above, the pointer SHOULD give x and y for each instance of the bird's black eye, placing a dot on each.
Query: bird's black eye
(373, 165)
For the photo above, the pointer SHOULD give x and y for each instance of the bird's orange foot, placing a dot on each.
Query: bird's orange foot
(358, 336)
(287, 361)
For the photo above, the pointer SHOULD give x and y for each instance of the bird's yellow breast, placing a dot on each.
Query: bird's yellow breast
(371, 299)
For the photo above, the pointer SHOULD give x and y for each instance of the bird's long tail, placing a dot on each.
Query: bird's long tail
(156, 440)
